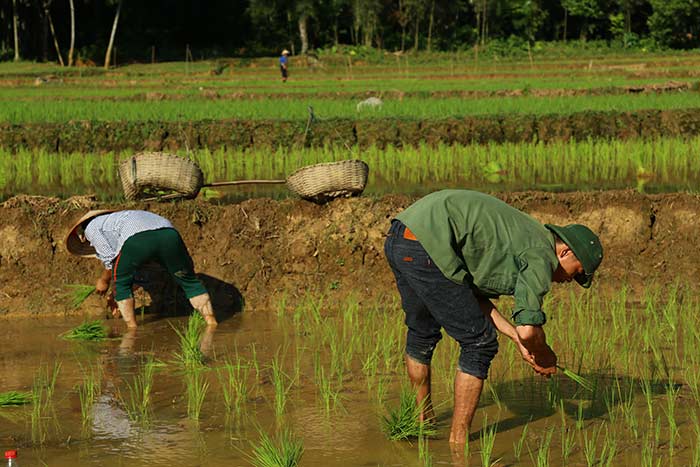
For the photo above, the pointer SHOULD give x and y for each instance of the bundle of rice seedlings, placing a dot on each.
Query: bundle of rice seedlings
(578, 379)
(12, 398)
(404, 422)
(190, 356)
(88, 331)
(285, 451)
(79, 294)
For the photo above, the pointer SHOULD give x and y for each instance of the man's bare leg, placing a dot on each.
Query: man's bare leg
(467, 391)
(419, 374)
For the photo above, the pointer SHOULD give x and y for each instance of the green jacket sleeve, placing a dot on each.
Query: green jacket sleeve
(533, 283)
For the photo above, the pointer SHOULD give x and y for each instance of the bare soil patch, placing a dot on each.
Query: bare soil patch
(272, 251)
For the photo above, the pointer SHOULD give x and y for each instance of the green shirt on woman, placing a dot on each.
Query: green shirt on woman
(477, 239)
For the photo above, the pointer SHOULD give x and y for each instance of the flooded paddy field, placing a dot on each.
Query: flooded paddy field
(311, 344)
(328, 378)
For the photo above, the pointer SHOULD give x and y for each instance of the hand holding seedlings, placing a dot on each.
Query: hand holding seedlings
(534, 340)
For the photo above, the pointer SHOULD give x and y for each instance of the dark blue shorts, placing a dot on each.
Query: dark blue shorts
(431, 302)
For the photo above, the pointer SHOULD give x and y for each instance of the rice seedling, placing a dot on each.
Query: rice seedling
(329, 395)
(647, 390)
(79, 293)
(696, 446)
(403, 422)
(87, 331)
(281, 385)
(541, 459)
(14, 398)
(196, 388)
(671, 397)
(649, 454)
(424, 451)
(88, 392)
(137, 404)
(42, 401)
(190, 355)
(590, 446)
(487, 439)
(234, 387)
(578, 379)
(518, 446)
(568, 437)
(285, 450)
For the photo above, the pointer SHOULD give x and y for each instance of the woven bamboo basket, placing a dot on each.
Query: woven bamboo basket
(166, 172)
(322, 182)
(160, 171)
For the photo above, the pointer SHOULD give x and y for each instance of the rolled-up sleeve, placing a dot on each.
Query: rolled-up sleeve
(534, 280)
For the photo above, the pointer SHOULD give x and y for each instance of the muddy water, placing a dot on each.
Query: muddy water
(348, 434)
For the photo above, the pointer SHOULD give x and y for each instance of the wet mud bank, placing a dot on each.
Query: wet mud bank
(262, 253)
(100, 137)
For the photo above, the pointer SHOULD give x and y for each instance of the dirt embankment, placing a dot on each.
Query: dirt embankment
(267, 252)
(86, 136)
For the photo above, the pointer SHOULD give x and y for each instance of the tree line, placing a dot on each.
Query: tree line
(156, 30)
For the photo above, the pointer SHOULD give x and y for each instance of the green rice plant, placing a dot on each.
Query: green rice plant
(608, 452)
(88, 331)
(494, 395)
(671, 397)
(283, 451)
(88, 392)
(234, 387)
(79, 293)
(696, 447)
(424, 451)
(580, 380)
(137, 404)
(190, 355)
(590, 446)
(518, 446)
(541, 459)
(329, 395)
(381, 390)
(281, 384)
(649, 454)
(403, 422)
(196, 388)
(14, 398)
(487, 439)
(42, 401)
(647, 390)
(568, 437)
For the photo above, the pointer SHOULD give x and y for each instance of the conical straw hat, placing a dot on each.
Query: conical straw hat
(73, 243)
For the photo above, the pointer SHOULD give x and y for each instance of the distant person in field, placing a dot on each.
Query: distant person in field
(454, 250)
(125, 240)
(284, 61)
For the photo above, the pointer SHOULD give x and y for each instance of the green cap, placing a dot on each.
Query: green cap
(585, 245)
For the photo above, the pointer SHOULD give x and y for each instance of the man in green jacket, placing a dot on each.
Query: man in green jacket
(451, 252)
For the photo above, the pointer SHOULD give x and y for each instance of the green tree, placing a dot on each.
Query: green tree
(587, 10)
(528, 18)
(675, 23)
